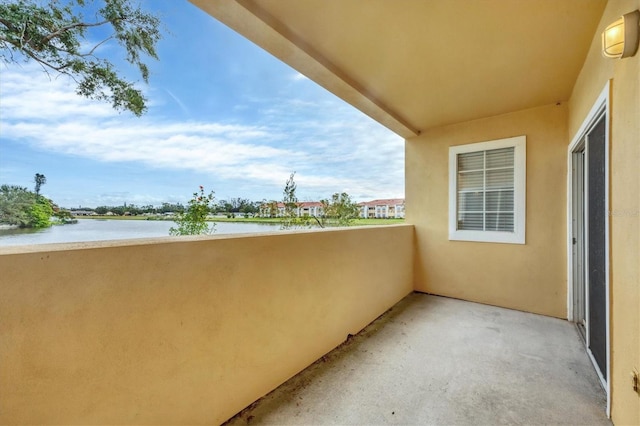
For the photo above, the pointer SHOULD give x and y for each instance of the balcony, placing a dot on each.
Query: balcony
(435, 360)
(183, 330)
(192, 330)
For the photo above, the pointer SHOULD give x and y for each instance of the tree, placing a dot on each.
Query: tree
(193, 221)
(269, 208)
(290, 219)
(15, 203)
(248, 207)
(171, 208)
(40, 213)
(40, 180)
(339, 211)
(117, 210)
(224, 206)
(148, 209)
(19, 206)
(55, 34)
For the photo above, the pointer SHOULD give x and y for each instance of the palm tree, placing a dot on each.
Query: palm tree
(40, 180)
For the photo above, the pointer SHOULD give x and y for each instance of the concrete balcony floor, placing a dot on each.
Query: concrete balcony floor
(434, 360)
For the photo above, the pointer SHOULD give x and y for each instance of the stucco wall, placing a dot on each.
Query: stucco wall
(183, 331)
(624, 201)
(530, 277)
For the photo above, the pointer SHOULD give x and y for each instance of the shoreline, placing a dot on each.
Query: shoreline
(357, 222)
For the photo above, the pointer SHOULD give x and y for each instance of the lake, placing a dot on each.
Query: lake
(100, 230)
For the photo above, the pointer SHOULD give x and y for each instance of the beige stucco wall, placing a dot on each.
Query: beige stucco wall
(183, 331)
(529, 277)
(624, 75)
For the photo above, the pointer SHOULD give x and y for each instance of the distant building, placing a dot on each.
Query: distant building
(382, 209)
(376, 209)
(310, 208)
(82, 213)
(304, 208)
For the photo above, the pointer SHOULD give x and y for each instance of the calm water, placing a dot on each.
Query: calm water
(99, 230)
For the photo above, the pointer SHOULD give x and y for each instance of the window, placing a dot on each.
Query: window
(487, 183)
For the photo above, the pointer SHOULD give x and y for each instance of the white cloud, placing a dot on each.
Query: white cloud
(35, 95)
(332, 147)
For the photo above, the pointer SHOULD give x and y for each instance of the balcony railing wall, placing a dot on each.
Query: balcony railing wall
(183, 331)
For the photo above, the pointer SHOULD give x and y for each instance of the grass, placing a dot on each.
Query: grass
(247, 220)
(363, 222)
(112, 217)
(357, 222)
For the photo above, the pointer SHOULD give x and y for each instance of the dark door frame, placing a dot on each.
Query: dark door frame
(600, 108)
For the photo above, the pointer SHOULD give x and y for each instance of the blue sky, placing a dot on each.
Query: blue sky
(222, 113)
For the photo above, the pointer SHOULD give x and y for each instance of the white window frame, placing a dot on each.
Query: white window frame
(519, 143)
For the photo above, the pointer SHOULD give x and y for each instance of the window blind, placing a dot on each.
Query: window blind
(485, 190)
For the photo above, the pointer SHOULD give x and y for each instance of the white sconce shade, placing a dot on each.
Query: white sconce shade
(620, 39)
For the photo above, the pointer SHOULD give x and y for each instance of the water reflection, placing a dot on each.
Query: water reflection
(100, 230)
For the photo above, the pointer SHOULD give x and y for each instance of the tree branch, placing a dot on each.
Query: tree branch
(97, 45)
(8, 24)
(24, 30)
(35, 57)
(51, 34)
(66, 28)
(44, 62)
(318, 220)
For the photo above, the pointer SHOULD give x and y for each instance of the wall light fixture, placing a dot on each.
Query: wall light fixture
(620, 39)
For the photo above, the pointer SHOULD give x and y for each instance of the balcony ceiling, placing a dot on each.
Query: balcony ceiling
(413, 65)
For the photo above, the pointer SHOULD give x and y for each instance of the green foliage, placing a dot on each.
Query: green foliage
(40, 213)
(270, 208)
(236, 205)
(290, 200)
(193, 221)
(15, 204)
(290, 219)
(171, 208)
(19, 206)
(55, 34)
(340, 210)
